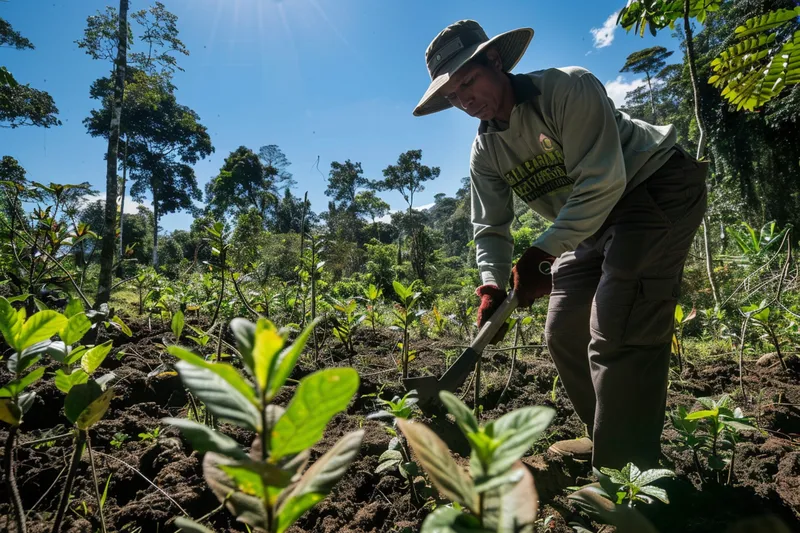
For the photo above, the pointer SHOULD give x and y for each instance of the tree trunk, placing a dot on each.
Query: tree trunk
(122, 205)
(652, 99)
(155, 230)
(701, 143)
(109, 230)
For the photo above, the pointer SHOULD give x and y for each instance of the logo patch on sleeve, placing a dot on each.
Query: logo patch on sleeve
(546, 142)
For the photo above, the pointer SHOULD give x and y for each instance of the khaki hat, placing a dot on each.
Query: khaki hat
(455, 46)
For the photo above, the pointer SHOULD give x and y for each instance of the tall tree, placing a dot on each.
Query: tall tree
(243, 183)
(166, 138)
(407, 178)
(344, 181)
(110, 227)
(370, 204)
(22, 105)
(648, 62)
(276, 163)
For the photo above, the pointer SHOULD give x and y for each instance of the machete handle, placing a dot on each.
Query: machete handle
(495, 322)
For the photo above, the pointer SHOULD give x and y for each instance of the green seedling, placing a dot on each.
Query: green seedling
(712, 432)
(397, 456)
(177, 324)
(270, 487)
(677, 338)
(345, 322)
(632, 485)
(768, 320)
(405, 316)
(119, 439)
(439, 321)
(201, 339)
(498, 493)
(614, 500)
(372, 294)
(150, 435)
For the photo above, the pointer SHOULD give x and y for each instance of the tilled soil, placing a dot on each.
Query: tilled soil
(765, 479)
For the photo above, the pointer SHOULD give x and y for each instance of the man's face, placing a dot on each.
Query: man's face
(476, 89)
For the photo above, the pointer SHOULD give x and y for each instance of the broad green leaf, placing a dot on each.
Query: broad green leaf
(655, 492)
(318, 398)
(93, 358)
(17, 364)
(513, 476)
(512, 508)
(286, 360)
(220, 397)
(245, 333)
(65, 382)
(15, 387)
(697, 415)
(75, 355)
(25, 401)
(18, 298)
(79, 398)
(266, 346)
(10, 413)
(122, 325)
(40, 326)
(223, 370)
(10, 324)
(204, 439)
(40, 305)
(463, 414)
(96, 410)
(75, 329)
(74, 306)
(648, 476)
(318, 480)
(678, 313)
(435, 458)
(517, 430)
(190, 526)
(449, 520)
(246, 508)
(253, 477)
(177, 324)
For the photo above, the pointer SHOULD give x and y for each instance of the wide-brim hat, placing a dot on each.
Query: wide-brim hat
(456, 45)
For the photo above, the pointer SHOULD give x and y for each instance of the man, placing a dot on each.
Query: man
(625, 203)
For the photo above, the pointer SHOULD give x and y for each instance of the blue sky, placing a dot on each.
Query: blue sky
(325, 80)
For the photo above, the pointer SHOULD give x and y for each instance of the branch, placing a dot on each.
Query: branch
(244, 300)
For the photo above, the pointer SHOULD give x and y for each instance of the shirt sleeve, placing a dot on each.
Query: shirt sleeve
(492, 205)
(593, 159)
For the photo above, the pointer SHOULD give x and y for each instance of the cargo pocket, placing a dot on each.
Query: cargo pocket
(653, 314)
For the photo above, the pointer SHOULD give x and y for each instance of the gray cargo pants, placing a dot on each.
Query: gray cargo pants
(610, 318)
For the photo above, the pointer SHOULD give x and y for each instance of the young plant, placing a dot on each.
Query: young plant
(28, 337)
(613, 499)
(397, 455)
(768, 320)
(152, 435)
(721, 424)
(373, 294)
(499, 492)
(345, 322)
(677, 338)
(270, 487)
(119, 439)
(404, 317)
(439, 321)
(632, 485)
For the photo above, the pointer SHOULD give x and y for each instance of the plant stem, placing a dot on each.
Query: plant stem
(730, 466)
(477, 397)
(73, 467)
(513, 361)
(96, 486)
(11, 482)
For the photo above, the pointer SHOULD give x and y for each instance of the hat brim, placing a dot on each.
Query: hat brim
(511, 45)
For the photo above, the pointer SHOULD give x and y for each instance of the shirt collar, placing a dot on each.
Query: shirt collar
(524, 91)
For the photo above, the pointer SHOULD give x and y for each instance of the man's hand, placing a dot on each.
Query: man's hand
(491, 298)
(531, 275)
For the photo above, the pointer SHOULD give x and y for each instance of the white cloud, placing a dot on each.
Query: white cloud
(388, 218)
(605, 36)
(131, 205)
(618, 88)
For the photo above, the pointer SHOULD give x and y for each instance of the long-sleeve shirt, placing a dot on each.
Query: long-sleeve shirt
(568, 153)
